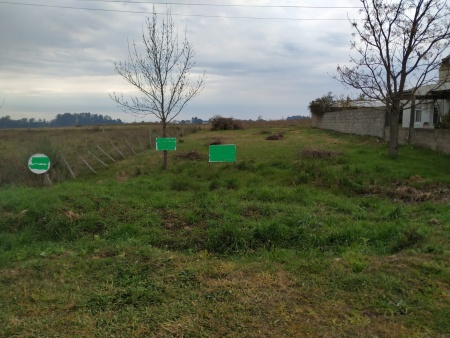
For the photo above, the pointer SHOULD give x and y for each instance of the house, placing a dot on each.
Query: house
(431, 102)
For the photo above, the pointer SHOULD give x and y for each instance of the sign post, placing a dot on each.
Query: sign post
(40, 164)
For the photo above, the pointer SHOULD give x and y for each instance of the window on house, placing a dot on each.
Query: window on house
(418, 117)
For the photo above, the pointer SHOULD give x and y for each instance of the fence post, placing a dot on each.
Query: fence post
(68, 166)
(105, 153)
(87, 165)
(117, 149)
(139, 140)
(129, 145)
(98, 159)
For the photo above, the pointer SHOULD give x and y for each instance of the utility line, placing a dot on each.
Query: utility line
(222, 5)
(173, 14)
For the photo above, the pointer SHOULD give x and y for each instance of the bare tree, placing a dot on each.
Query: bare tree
(400, 45)
(161, 73)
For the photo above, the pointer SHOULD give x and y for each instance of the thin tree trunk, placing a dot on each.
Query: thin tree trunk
(411, 119)
(165, 159)
(164, 151)
(393, 135)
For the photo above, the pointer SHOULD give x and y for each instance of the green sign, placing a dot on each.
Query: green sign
(166, 143)
(222, 153)
(39, 163)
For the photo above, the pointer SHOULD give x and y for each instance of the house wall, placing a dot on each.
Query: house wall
(427, 113)
(427, 116)
(365, 121)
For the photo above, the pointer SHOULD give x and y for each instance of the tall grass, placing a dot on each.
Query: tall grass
(71, 148)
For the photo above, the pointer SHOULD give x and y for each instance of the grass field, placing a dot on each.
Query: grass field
(315, 234)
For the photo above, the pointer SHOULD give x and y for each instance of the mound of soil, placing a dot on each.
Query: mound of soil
(216, 142)
(275, 137)
(190, 155)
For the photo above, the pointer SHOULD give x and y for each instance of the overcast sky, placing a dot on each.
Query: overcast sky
(260, 61)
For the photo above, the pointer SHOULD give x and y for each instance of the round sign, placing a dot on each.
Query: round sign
(39, 163)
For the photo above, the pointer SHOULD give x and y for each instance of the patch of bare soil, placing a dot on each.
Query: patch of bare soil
(190, 155)
(216, 142)
(275, 137)
(73, 216)
(122, 176)
(172, 221)
(318, 153)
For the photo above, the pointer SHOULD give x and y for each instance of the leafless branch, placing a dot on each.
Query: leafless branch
(161, 73)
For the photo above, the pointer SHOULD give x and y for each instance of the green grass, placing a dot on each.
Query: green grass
(282, 244)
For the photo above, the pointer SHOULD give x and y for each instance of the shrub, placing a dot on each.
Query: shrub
(225, 123)
(445, 123)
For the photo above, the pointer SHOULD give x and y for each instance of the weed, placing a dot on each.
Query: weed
(408, 239)
(356, 261)
(228, 239)
(394, 214)
(273, 235)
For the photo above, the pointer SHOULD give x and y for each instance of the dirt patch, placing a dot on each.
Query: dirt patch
(171, 220)
(319, 153)
(190, 155)
(275, 137)
(73, 216)
(122, 176)
(216, 142)
(416, 178)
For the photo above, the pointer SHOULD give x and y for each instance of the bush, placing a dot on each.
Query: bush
(321, 105)
(445, 123)
(224, 123)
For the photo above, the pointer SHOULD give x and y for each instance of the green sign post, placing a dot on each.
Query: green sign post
(222, 153)
(39, 163)
(166, 143)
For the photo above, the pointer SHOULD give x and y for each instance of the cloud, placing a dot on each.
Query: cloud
(56, 60)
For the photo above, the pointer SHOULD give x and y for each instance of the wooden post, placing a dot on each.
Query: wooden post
(88, 165)
(129, 145)
(68, 166)
(105, 153)
(139, 140)
(47, 181)
(98, 159)
(117, 149)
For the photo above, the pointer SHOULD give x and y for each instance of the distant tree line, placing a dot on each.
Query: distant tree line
(296, 117)
(61, 120)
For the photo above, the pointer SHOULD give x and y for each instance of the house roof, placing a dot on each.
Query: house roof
(440, 90)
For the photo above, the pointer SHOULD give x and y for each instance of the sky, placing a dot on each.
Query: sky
(263, 59)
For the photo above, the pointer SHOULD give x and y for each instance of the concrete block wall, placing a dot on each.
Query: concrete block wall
(371, 121)
(435, 139)
(366, 121)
